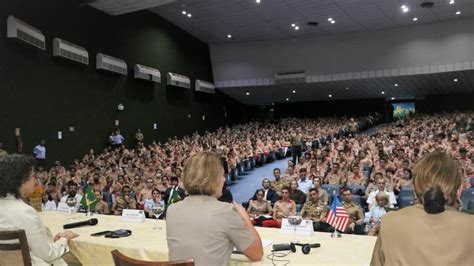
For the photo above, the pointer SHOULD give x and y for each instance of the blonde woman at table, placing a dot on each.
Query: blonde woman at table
(435, 233)
(204, 229)
(18, 181)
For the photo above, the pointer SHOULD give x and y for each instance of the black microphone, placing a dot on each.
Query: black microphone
(92, 221)
(283, 247)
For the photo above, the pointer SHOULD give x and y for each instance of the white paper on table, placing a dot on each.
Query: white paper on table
(305, 228)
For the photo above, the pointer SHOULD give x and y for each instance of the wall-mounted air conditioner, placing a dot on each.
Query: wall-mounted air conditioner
(290, 77)
(70, 51)
(148, 73)
(204, 86)
(178, 80)
(22, 31)
(109, 63)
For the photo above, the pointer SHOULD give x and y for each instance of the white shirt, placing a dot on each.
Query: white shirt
(16, 215)
(304, 185)
(40, 152)
(78, 200)
(376, 212)
(50, 205)
(391, 198)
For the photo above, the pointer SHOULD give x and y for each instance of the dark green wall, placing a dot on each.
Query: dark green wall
(42, 95)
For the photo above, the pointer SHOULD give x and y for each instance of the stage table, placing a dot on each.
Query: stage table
(148, 244)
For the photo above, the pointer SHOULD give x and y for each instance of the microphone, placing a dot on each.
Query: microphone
(92, 221)
(283, 247)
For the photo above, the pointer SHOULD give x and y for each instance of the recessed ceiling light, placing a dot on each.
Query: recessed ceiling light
(273, 103)
(403, 7)
(393, 98)
(287, 99)
(451, 2)
(396, 85)
(189, 15)
(329, 19)
(183, 12)
(294, 91)
(455, 80)
(333, 21)
(293, 25)
(297, 27)
(347, 88)
(330, 95)
(257, 1)
(229, 36)
(458, 13)
(382, 92)
(415, 19)
(247, 93)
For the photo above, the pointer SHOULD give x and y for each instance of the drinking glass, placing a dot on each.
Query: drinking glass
(71, 203)
(157, 210)
(295, 220)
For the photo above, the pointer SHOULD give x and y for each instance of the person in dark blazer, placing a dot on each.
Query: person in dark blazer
(270, 194)
(170, 196)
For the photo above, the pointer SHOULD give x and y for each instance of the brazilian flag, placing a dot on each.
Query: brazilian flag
(89, 199)
(174, 197)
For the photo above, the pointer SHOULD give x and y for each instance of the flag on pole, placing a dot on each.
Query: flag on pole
(174, 196)
(337, 216)
(89, 199)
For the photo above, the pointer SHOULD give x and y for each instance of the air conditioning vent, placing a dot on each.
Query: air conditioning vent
(205, 86)
(148, 73)
(178, 80)
(290, 77)
(70, 51)
(109, 63)
(24, 32)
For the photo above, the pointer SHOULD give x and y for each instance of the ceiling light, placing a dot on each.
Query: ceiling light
(183, 12)
(393, 98)
(294, 91)
(257, 1)
(458, 13)
(189, 15)
(451, 2)
(330, 95)
(329, 19)
(405, 8)
(396, 85)
(247, 93)
(287, 99)
(293, 25)
(273, 103)
(455, 80)
(347, 88)
(383, 92)
(229, 36)
(415, 19)
(333, 21)
(297, 27)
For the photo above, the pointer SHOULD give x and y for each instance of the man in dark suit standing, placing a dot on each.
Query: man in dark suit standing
(174, 193)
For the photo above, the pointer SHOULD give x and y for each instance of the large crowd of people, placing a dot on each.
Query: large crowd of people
(378, 165)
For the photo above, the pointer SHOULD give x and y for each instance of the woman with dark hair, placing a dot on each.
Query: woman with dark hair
(433, 232)
(259, 209)
(17, 181)
(47, 202)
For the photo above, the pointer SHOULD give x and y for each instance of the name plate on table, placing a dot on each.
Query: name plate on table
(63, 208)
(133, 216)
(305, 228)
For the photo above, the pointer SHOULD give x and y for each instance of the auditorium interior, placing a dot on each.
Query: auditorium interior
(325, 115)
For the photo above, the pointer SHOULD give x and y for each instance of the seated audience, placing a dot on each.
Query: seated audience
(304, 184)
(356, 213)
(174, 193)
(375, 215)
(278, 183)
(381, 188)
(101, 207)
(282, 209)
(322, 194)
(72, 193)
(124, 201)
(149, 203)
(258, 208)
(269, 193)
(315, 211)
(296, 195)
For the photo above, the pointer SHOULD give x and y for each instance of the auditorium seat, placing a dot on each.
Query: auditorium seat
(122, 260)
(405, 201)
(466, 196)
(406, 192)
(356, 189)
(332, 189)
